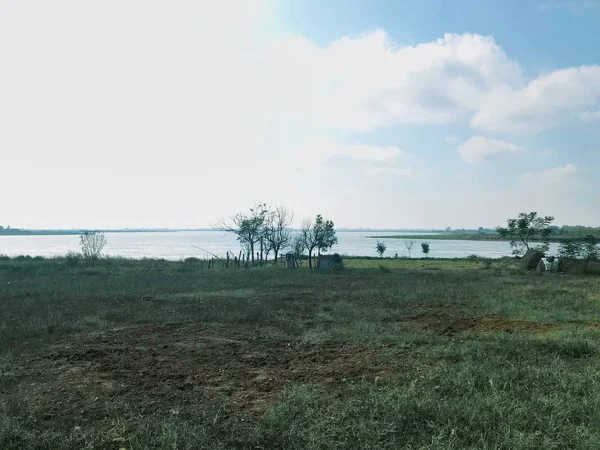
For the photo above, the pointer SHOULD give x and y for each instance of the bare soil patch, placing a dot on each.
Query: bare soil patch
(155, 362)
(445, 323)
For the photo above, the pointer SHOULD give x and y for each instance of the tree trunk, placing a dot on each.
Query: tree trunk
(276, 251)
(310, 258)
(252, 250)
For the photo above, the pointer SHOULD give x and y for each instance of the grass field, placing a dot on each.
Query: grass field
(416, 354)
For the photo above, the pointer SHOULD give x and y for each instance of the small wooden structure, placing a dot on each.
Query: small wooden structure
(289, 259)
(330, 261)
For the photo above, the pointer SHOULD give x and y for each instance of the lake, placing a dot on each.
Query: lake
(180, 244)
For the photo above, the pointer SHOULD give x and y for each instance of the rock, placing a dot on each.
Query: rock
(531, 259)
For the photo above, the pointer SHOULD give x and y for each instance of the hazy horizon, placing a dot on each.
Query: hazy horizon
(380, 115)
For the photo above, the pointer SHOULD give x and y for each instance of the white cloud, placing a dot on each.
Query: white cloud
(450, 140)
(547, 177)
(370, 152)
(404, 172)
(365, 83)
(589, 116)
(542, 103)
(479, 148)
(322, 149)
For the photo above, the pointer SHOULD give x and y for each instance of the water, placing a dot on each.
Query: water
(179, 245)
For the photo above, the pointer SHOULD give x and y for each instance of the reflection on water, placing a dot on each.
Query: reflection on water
(179, 245)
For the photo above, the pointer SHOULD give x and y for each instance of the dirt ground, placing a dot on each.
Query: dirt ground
(445, 323)
(147, 364)
(156, 361)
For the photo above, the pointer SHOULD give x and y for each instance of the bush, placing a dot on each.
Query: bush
(569, 250)
(380, 248)
(92, 243)
(192, 260)
(384, 269)
(582, 253)
(337, 262)
(72, 259)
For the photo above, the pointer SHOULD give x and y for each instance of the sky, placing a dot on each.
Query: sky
(379, 114)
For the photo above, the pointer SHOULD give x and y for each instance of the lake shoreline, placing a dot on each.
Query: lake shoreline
(473, 237)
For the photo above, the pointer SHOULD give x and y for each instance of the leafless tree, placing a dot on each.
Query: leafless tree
(409, 243)
(277, 232)
(92, 243)
(248, 227)
(297, 247)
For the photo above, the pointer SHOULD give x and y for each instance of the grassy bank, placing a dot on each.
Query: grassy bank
(418, 354)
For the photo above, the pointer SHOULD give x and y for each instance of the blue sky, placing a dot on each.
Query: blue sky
(382, 114)
(546, 34)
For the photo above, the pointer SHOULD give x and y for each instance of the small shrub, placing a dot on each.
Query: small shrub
(380, 248)
(4, 258)
(487, 264)
(425, 248)
(569, 250)
(92, 243)
(384, 269)
(72, 259)
(337, 263)
(192, 260)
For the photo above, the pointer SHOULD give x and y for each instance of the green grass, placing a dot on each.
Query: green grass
(386, 353)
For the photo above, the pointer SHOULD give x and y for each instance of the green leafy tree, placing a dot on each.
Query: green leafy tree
(525, 229)
(570, 250)
(319, 235)
(425, 248)
(590, 250)
(380, 248)
(584, 251)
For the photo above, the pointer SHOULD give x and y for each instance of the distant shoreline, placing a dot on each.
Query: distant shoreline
(21, 232)
(70, 232)
(492, 237)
